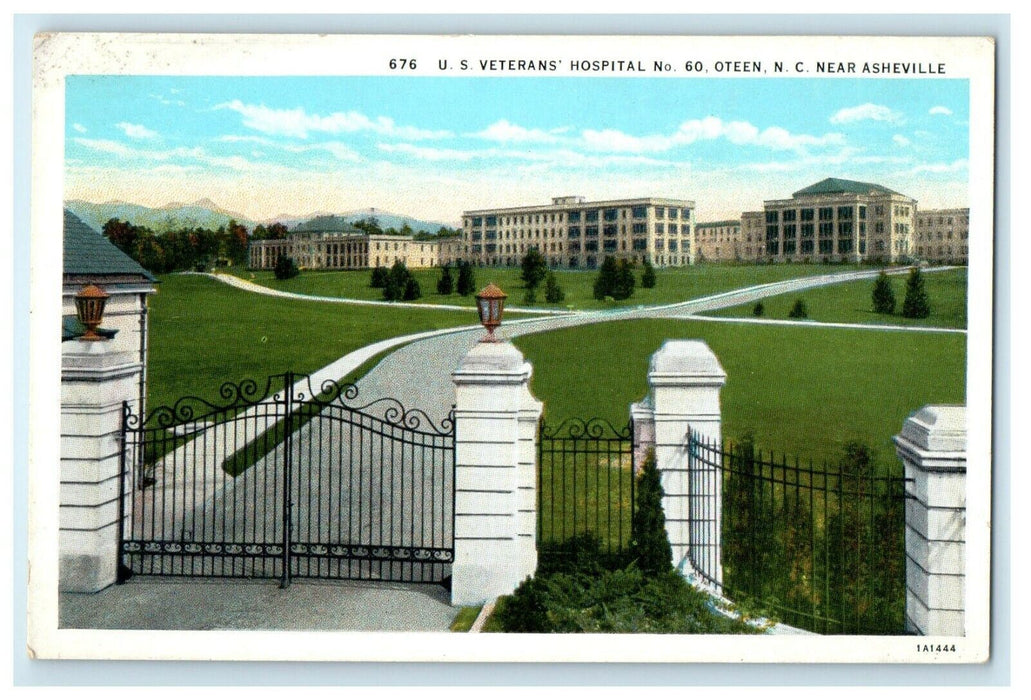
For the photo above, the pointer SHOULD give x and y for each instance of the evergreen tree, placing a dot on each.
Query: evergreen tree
(650, 544)
(883, 295)
(916, 304)
(411, 290)
(379, 277)
(397, 282)
(535, 268)
(446, 283)
(605, 282)
(758, 309)
(624, 285)
(466, 278)
(553, 293)
(798, 310)
(648, 275)
(531, 296)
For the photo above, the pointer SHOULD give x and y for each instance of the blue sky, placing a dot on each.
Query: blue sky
(433, 147)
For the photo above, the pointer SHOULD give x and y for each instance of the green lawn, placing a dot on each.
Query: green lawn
(203, 333)
(675, 284)
(851, 302)
(800, 390)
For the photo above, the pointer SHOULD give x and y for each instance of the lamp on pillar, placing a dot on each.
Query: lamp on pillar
(89, 307)
(490, 303)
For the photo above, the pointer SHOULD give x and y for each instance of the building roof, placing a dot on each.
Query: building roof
(835, 185)
(714, 224)
(88, 253)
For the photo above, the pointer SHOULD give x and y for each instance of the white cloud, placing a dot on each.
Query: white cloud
(940, 109)
(136, 131)
(298, 123)
(106, 146)
(879, 113)
(900, 140)
(426, 153)
(940, 168)
(79, 127)
(740, 133)
(506, 132)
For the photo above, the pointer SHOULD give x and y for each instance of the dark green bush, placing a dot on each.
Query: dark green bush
(916, 304)
(798, 310)
(758, 309)
(466, 279)
(553, 293)
(883, 295)
(446, 283)
(648, 275)
(286, 268)
(379, 277)
(650, 544)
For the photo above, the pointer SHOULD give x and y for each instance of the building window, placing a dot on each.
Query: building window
(844, 245)
(826, 246)
(807, 231)
(591, 231)
(476, 236)
(591, 246)
(592, 215)
(490, 235)
(492, 221)
(789, 232)
(685, 214)
(660, 244)
(574, 217)
(639, 228)
(660, 212)
(807, 215)
(639, 212)
(772, 247)
(574, 247)
(611, 214)
(610, 245)
(845, 212)
(574, 231)
(790, 214)
(673, 213)
(771, 232)
(673, 246)
(640, 244)
(826, 213)
(477, 221)
(609, 230)
(807, 246)
(660, 228)
(862, 212)
(789, 246)
(771, 217)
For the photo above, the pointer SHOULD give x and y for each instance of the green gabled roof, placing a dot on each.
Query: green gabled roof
(835, 185)
(88, 252)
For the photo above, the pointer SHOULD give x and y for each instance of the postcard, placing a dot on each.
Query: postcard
(449, 348)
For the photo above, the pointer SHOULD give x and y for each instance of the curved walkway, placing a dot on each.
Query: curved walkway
(234, 281)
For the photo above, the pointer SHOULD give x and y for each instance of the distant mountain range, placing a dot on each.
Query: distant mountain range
(206, 214)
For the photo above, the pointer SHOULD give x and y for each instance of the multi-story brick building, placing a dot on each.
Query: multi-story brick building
(718, 241)
(942, 235)
(571, 232)
(840, 220)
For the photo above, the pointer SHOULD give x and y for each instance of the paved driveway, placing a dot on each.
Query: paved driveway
(217, 604)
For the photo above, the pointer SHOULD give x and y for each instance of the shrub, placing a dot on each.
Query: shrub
(400, 284)
(758, 309)
(624, 285)
(883, 295)
(648, 275)
(553, 293)
(446, 283)
(916, 304)
(286, 268)
(466, 279)
(379, 277)
(650, 545)
(798, 310)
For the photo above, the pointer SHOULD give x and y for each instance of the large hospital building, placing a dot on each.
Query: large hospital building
(574, 233)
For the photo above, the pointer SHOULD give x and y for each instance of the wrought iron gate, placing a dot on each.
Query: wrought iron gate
(287, 480)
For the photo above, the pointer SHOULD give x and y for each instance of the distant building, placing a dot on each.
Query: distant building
(574, 233)
(942, 235)
(352, 249)
(718, 241)
(840, 220)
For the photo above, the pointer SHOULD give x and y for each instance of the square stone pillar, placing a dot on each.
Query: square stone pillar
(685, 379)
(495, 474)
(932, 446)
(95, 384)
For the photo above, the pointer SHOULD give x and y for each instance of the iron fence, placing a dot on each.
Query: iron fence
(822, 546)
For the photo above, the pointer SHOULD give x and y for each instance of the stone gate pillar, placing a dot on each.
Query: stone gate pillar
(932, 446)
(495, 474)
(94, 383)
(685, 379)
